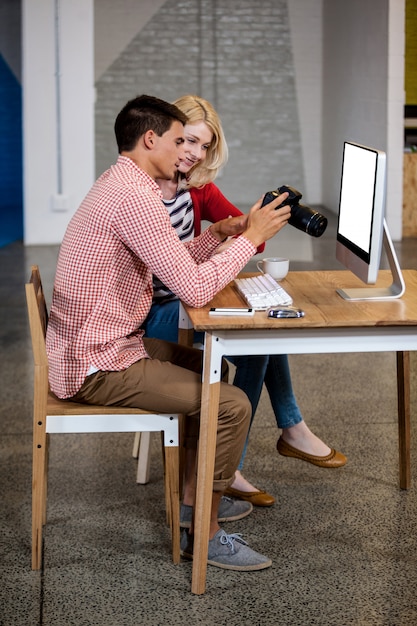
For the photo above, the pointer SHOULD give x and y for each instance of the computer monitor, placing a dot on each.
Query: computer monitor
(362, 229)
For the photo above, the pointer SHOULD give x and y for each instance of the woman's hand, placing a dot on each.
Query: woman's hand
(229, 227)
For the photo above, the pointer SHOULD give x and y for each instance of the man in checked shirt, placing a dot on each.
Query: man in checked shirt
(118, 238)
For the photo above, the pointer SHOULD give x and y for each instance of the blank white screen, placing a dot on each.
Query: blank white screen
(357, 195)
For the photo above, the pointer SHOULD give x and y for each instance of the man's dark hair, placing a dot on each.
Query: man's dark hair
(141, 114)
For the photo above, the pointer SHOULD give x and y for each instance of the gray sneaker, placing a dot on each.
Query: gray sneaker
(227, 552)
(230, 510)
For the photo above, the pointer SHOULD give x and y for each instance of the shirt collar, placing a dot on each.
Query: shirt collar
(143, 177)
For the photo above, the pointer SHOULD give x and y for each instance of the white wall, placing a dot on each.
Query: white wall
(363, 91)
(58, 133)
(395, 116)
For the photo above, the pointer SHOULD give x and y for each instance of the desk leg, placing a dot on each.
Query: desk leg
(185, 328)
(205, 471)
(403, 391)
(186, 336)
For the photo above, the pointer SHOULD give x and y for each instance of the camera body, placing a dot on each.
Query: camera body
(302, 217)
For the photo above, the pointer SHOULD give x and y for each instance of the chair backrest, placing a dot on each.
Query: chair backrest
(38, 317)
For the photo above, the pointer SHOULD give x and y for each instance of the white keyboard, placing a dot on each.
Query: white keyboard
(262, 292)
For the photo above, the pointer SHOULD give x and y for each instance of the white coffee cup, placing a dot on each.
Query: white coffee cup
(277, 267)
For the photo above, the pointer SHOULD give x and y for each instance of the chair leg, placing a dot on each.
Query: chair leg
(136, 442)
(144, 460)
(167, 486)
(45, 479)
(39, 482)
(173, 497)
(181, 430)
(181, 469)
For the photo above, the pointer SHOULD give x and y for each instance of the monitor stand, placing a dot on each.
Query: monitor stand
(395, 290)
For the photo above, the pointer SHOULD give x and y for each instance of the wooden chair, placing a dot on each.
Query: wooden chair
(51, 415)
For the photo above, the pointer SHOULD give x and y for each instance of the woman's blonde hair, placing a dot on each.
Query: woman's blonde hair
(199, 110)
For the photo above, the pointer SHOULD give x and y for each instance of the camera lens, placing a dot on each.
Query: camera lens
(306, 219)
(302, 217)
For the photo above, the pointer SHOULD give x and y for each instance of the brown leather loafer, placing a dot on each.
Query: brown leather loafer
(257, 498)
(334, 459)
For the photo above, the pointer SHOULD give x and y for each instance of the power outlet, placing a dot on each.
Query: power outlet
(60, 203)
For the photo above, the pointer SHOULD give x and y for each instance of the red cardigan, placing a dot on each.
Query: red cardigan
(211, 205)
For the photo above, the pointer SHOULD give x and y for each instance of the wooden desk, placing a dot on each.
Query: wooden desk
(331, 324)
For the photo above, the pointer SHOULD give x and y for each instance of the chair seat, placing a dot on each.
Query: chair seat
(67, 407)
(65, 416)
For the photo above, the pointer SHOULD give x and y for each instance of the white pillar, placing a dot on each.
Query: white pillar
(395, 117)
(58, 113)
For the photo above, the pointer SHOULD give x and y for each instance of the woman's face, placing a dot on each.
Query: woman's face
(198, 138)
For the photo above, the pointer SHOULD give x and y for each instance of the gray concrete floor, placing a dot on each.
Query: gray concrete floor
(343, 542)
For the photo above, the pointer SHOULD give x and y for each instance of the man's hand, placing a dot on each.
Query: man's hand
(229, 227)
(265, 221)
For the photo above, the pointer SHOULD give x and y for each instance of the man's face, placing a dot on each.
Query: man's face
(169, 151)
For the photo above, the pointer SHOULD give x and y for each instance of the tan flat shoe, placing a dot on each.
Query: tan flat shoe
(257, 498)
(334, 459)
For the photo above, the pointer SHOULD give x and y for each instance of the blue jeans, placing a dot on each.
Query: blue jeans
(274, 371)
(162, 321)
(251, 371)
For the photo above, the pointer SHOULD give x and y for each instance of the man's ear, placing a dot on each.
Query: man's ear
(149, 139)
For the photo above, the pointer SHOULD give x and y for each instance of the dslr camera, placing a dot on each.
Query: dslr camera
(302, 217)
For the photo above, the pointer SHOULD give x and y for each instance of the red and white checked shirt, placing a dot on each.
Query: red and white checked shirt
(118, 238)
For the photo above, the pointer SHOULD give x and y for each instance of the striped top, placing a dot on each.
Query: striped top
(181, 213)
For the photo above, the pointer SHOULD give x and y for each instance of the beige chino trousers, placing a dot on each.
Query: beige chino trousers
(170, 382)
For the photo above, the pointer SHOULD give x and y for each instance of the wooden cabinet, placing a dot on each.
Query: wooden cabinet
(410, 195)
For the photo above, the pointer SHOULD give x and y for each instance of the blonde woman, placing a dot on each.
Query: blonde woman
(191, 197)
